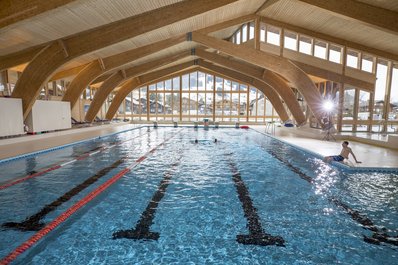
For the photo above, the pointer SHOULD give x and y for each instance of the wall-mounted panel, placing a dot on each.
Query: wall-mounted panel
(11, 118)
(49, 116)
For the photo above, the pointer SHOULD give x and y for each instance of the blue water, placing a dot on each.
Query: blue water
(200, 214)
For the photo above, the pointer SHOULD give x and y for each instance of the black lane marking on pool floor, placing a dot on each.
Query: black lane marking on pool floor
(257, 235)
(143, 226)
(379, 234)
(33, 223)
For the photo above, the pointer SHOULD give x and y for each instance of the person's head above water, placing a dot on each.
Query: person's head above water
(196, 141)
(215, 140)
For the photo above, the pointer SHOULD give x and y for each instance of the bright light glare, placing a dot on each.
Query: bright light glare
(328, 105)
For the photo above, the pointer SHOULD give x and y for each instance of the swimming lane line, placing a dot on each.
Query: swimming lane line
(379, 234)
(142, 230)
(33, 223)
(257, 235)
(69, 212)
(57, 166)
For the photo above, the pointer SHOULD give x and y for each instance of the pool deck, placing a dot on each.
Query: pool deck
(367, 148)
(370, 149)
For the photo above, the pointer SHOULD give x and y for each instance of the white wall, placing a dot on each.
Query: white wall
(11, 117)
(49, 116)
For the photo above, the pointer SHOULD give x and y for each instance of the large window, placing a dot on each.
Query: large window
(335, 53)
(290, 41)
(244, 33)
(273, 35)
(3, 82)
(352, 58)
(305, 45)
(201, 95)
(262, 33)
(348, 109)
(393, 107)
(320, 49)
(363, 110)
(367, 63)
(380, 93)
(251, 30)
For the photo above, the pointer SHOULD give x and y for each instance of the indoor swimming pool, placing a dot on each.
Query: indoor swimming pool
(157, 196)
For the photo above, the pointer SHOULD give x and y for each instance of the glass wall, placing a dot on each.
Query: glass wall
(363, 110)
(380, 95)
(290, 41)
(202, 95)
(3, 84)
(393, 106)
(348, 109)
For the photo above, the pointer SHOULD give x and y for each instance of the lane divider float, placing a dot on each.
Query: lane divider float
(65, 215)
(57, 166)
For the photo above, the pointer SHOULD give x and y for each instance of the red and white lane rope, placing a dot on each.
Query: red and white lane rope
(57, 166)
(65, 215)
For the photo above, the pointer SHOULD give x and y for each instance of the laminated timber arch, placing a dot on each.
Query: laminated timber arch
(268, 91)
(25, 56)
(100, 66)
(49, 59)
(107, 87)
(270, 78)
(15, 11)
(17, 58)
(135, 82)
(376, 17)
(279, 65)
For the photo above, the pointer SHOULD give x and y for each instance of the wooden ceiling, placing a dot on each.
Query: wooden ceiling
(39, 22)
(314, 18)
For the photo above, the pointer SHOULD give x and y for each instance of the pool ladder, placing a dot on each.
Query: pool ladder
(270, 128)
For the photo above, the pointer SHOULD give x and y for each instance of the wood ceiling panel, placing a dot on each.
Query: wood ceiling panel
(231, 11)
(319, 20)
(386, 4)
(186, 46)
(71, 19)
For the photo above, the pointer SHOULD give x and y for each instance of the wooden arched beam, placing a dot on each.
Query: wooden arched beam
(373, 16)
(36, 74)
(277, 64)
(81, 82)
(69, 72)
(14, 11)
(102, 93)
(268, 91)
(20, 57)
(112, 82)
(98, 67)
(151, 77)
(122, 93)
(62, 51)
(26, 55)
(135, 82)
(273, 80)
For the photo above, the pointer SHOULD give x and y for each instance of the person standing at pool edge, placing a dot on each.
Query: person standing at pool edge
(345, 152)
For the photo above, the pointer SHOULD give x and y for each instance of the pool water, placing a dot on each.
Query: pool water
(246, 199)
